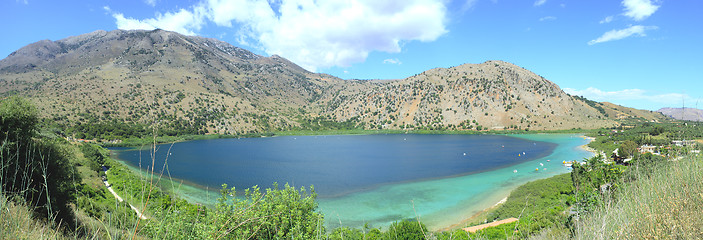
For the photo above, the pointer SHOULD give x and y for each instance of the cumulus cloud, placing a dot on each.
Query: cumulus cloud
(392, 61)
(629, 95)
(548, 18)
(327, 33)
(612, 35)
(540, 2)
(313, 34)
(184, 21)
(606, 19)
(639, 10)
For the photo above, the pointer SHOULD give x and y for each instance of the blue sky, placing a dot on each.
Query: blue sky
(645, 54)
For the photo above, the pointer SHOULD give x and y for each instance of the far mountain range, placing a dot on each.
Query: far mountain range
(689, 114)
(169, 79)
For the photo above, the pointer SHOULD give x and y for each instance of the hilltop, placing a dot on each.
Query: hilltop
(199, 85)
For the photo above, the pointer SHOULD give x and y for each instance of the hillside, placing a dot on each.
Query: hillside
(201, 85)
(690, 114)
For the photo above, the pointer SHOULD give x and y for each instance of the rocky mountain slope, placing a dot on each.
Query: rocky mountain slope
(185, 82)
(690, 114)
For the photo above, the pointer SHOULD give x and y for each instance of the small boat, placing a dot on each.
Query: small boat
(548, 160)
(464, 154)
(515, 171)
(541, 164)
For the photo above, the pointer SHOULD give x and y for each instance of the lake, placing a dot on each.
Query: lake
(371, 178)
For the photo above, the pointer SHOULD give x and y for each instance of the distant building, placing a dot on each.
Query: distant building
(647, 148)
(682, 143)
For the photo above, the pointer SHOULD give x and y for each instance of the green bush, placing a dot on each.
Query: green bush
(34, 168)
(409, 230)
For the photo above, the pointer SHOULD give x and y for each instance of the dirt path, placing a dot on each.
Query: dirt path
(109, 188)
(493, 224)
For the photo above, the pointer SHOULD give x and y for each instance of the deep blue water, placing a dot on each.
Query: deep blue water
(337, 165)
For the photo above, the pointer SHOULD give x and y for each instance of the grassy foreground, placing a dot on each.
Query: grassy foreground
(666, 203)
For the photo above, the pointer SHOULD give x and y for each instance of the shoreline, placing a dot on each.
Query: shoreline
(474, 219)
(137, 142)
(587, 148)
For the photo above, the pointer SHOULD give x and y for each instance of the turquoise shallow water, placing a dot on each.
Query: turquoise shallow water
(438, 202)
(442, 202)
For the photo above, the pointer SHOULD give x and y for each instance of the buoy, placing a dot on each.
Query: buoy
(464, 154)
(518, 154)
(536, 169)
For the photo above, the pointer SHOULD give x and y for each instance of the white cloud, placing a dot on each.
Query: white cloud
(328, 33)
(313, 34)
(548, 18)
(392, 61)
(183, 21)
(540, 2)
(612, 35)
(671, 99)
(606, 19)
(639, 9)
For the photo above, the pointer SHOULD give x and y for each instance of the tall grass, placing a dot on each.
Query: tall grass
(663, 203)
(17, 223)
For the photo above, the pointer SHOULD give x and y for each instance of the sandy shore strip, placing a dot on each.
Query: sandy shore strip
(587, 148)
(487, 225)
(475, 216)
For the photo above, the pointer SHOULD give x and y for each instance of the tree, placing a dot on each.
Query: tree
(627, 149)
(18, 120)
(34, 168)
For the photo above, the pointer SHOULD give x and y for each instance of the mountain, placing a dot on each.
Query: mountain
(209, 86)
(690, 114)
